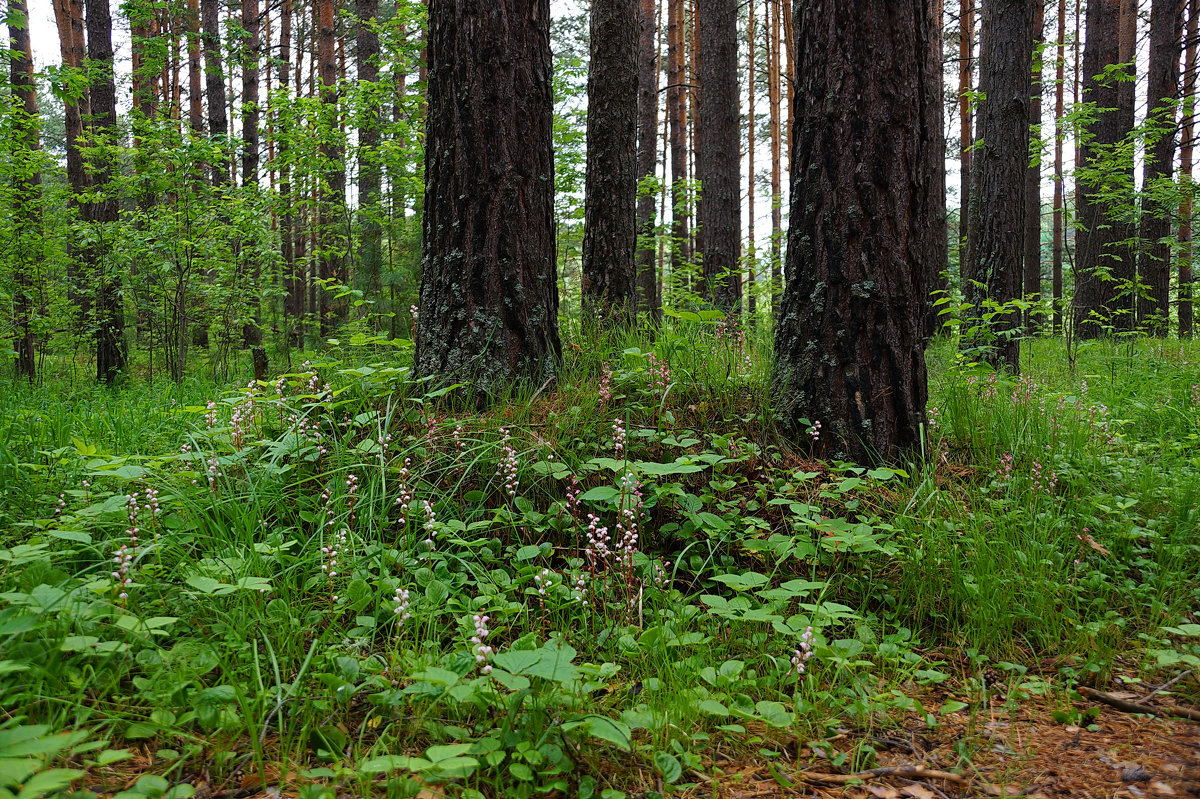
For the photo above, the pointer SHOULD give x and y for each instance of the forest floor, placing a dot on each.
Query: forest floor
(632, 586)
(1018, 749)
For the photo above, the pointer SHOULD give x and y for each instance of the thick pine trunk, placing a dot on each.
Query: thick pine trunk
(1100, 250)
(369, 173)
(996, 224)
(1032, 260)
(489, 290)
(27, 184)
(718, 155)
(1186, 250)
(849, 347)
(1162, 82)
(648, 301)
(610, 196)
(110, 312)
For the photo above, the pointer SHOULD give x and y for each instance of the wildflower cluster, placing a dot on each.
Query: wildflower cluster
(1041, 481)
(606, 376)
(618, 431)
(243, 418)
(400, 607)
(733, 336)
(482, 650)
(659, 374)
(507, 471)
(1005, 468)
(801, 656)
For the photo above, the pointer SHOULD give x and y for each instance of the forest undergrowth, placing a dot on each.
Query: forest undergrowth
(339, 582)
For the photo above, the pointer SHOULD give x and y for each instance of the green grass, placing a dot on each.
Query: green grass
(234, 650)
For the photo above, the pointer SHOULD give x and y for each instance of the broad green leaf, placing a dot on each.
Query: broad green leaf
(668, 765)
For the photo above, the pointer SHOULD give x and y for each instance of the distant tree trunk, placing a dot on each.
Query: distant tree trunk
(610, 196)
(677, 112)
(68, 15)
(489, 290)
(214, 75)
(293, 301)
(648, 300)
(369, 137)
(998, 169)
(1056, 251)
(849, 349)
(1099, 241)
(195, 98)
(1123, 310)
(110, 311)
(787, 54)
(939, 255)
(331, 205)
(751, 124)
(27, 184)
(1031, 281)
(250, 96)
(1032, 259)
(966, 50)
(774, 98)
(718, 155)
(1186, 250)
(1162, 86)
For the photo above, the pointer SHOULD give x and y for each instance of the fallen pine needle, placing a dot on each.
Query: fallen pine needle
(912, 772)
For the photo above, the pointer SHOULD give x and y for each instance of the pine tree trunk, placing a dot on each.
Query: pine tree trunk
(214, 77)
(788, 68)
(1032, 260)
(849, 349)
(1123, 310)
(718, 155)
(751, 188)
(369, 174)
(774, 98)
(939, 255)
(68, 16)
(1186, 250)
(250, 96)
(966, 49)
(997, 209)
(1056, 247)
(489, 289)
(331, 249)
(1162, 81)
(677, 111)
(648, 301)
(102, 212)
(26, 184)
(195, 72)
(610, 197)
(1099, 248)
